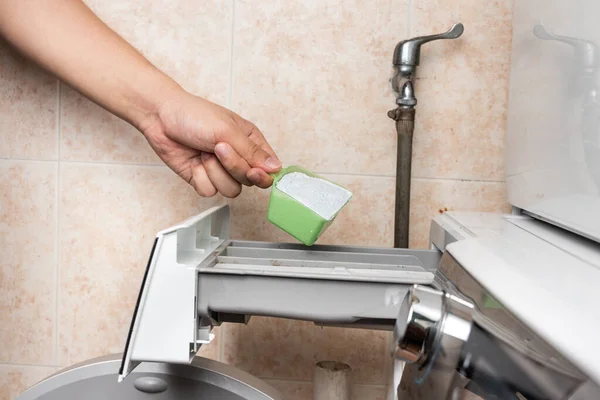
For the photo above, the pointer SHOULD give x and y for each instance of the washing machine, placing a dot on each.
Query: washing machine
(502, 306)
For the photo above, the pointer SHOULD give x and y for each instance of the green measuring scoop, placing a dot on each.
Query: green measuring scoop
(294, 215)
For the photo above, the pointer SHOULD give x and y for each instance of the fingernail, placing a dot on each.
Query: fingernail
(273, 163)
(222, 150)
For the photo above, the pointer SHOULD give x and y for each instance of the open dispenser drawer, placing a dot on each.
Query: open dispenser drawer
(197, 278)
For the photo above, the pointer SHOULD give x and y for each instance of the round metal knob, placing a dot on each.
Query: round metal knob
(418, 323)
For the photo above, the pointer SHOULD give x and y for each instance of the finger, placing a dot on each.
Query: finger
(201, 182)
(251, 152)
(257, 136)
(233, 163)
(220, 178)
(260, 178)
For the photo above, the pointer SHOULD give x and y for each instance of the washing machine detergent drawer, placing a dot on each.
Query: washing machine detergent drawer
(197, 278)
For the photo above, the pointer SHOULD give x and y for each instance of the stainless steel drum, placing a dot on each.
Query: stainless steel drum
(204, 379)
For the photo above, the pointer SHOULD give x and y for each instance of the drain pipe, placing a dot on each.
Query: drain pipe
(331, 381)
(406, 60)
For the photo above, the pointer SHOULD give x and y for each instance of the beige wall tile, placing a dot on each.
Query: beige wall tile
(28, 108)
(15, 379)
(462, 89)
(366, 351)
(293, 390)
(90, 133)
(287, 349)
(366, 220)
(249, 217)
(108, 218)
(189, 40)
(272, 347)
(371, 392)
(430, 197)
(314, 77)
(213, 349)
(27, 261)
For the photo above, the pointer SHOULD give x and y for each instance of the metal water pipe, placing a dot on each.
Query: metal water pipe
(407, 56)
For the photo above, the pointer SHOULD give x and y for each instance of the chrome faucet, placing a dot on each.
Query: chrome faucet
(586, 60)
(587, 55)
(407, 53)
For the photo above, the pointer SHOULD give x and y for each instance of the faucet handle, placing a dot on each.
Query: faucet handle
(408, 52)
(585, 51)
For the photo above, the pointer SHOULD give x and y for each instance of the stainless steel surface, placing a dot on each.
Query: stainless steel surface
(407, 53)
(96, 379)
(417, 324)
(497, 357)
(407, 97)
(491, 315)
(431, 330)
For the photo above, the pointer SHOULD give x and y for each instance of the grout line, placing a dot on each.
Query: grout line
(114, 163)
(387, 357)
(8, 364)
(458, 180)
(118, 163)
(57, 230)
(292, 380)
(378, 385)
(58, 121)
(409, 18)
(56, 263)
(221, 355)
(27, 159)
(357, 174)
(231, 51)
(371, 385)
(285, 380)
(413, 177)
(123, 164)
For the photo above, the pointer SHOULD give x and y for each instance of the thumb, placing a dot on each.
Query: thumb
(252, 153)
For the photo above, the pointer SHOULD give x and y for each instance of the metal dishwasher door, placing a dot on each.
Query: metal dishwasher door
(203, 379)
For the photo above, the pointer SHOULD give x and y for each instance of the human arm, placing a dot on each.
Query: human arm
(210, 147)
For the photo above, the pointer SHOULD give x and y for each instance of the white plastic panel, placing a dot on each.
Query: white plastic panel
(553, 136)
(197, 277)
(165, 325)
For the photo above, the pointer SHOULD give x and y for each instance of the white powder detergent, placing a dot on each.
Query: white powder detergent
(321, 196)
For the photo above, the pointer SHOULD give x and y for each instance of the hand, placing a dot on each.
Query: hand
(210, 147)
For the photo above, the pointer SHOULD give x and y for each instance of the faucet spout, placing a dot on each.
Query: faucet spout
(407, 97)
(407, 53)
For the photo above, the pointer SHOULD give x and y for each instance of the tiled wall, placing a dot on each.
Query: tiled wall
(82, 194)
